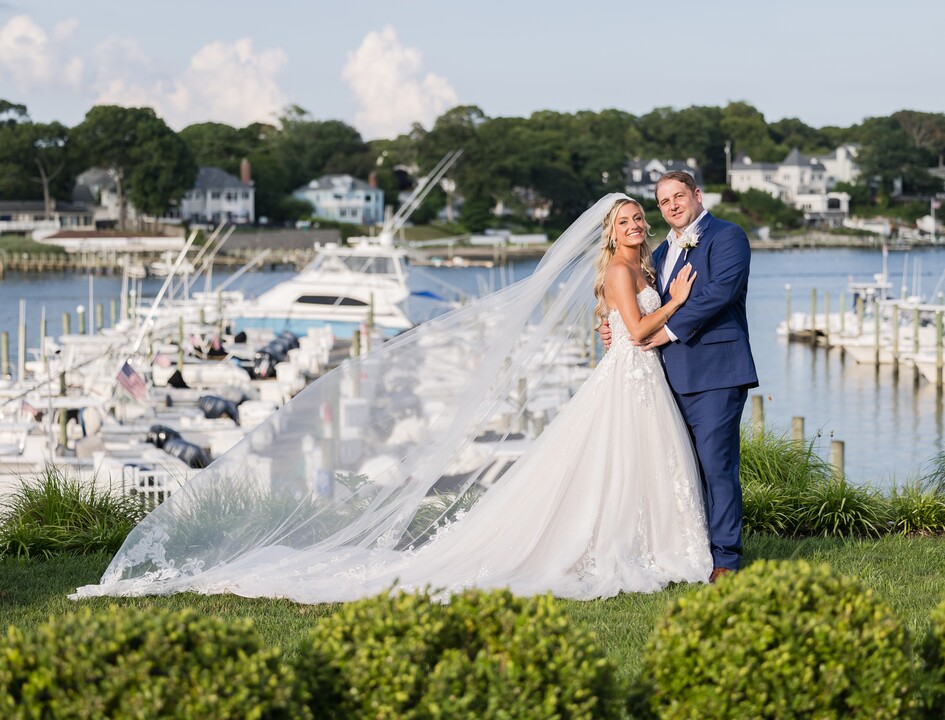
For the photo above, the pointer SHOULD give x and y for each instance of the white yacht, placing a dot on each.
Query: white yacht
(340, 288)
(346, 286)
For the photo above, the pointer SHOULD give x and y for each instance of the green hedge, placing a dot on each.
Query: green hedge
(485, 654)
(780, 640)
(127, 663)
(933, 654)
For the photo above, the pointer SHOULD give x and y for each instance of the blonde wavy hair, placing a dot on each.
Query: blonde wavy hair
(607, 251)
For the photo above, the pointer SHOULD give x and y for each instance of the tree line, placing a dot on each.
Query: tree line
(559, 162)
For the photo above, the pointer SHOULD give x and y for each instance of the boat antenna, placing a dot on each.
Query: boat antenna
(393, 225)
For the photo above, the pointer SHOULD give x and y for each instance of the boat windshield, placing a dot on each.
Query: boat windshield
(370, 264)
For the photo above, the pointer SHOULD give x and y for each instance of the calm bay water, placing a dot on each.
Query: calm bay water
(891, 427)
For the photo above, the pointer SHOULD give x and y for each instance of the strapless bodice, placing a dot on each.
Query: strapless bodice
(647, 299)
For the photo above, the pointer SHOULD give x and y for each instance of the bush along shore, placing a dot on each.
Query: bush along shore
(839, 612)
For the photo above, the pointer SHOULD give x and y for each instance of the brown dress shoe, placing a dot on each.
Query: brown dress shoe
(719, 572)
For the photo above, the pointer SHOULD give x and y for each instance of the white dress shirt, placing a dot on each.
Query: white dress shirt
(672, 255)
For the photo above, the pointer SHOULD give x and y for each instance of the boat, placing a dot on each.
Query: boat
(363, 282)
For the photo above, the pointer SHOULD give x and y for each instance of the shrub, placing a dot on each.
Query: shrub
(485, 654)
(780, 640)
(127, 663)
(933, 656)
(57, 515)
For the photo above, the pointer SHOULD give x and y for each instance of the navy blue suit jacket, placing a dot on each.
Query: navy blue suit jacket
(712, 350)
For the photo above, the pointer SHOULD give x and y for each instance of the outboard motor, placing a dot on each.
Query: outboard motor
(290, 338)
(176, 380)
(158, 435)
(264, 365)
(192, 455)
(215, 407)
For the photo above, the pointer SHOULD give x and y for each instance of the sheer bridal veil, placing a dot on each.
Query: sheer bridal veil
(385, 451)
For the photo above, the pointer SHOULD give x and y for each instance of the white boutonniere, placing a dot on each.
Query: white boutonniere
(686, 241)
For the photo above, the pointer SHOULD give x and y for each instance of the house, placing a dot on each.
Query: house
(344, 198)
(841, 165)
(29, 217)
(798, 181)
(640, 176)
(218, 196)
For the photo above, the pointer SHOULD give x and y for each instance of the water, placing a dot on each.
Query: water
(890, 426)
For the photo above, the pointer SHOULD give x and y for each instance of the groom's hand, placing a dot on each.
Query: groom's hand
(655, 340)
(605, 334)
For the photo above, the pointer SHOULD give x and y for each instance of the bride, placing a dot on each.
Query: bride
(394, 470)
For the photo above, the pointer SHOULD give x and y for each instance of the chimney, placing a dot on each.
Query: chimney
(372, 179)
(246, 174)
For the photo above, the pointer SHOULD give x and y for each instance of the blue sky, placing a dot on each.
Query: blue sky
(380, 66)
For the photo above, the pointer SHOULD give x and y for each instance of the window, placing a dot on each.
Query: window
(215, 195)
(330, 300)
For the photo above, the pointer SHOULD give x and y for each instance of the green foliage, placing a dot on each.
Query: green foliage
(788, 489)
(918, 508)
(933, 658)
(780, 640)
(838, 509)
(20, 244)
(148, 663)
(57, 515)
(765, 209)
(151, 163)
(485, 654)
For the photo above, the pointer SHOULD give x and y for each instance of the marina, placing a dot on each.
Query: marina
(891, 422)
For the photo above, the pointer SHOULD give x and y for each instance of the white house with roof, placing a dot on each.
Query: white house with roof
(799, 181)
(344, 198)
(218, 196)
(841, 165)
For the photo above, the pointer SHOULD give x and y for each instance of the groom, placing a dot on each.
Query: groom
(705, 350)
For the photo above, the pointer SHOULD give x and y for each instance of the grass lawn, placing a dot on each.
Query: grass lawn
(908, 573)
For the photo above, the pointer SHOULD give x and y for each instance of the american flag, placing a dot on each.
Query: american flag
(132, 382)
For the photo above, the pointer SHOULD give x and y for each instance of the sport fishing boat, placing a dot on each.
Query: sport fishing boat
(346, 286)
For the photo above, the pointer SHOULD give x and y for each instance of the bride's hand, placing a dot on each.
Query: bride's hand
(681, 286)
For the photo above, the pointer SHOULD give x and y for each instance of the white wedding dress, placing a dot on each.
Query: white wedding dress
(607, 500)
(357, 484)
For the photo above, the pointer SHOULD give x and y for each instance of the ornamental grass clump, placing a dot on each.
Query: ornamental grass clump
(780, 640)
(917, 509)
(485, 654)
(54, 514)
(129, 663)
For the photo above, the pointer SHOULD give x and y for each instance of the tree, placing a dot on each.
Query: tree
(220, 145)
(309, 148)
(746, 128)
(12, 113)
(33, 157)
(149, 163)
(926, 130)
(791, 133)
(889, 156)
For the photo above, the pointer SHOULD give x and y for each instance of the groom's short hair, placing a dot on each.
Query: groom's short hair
(681, 176)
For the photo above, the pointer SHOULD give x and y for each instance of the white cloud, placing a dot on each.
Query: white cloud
(225, 82)
(387, 81)
(29, 55)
